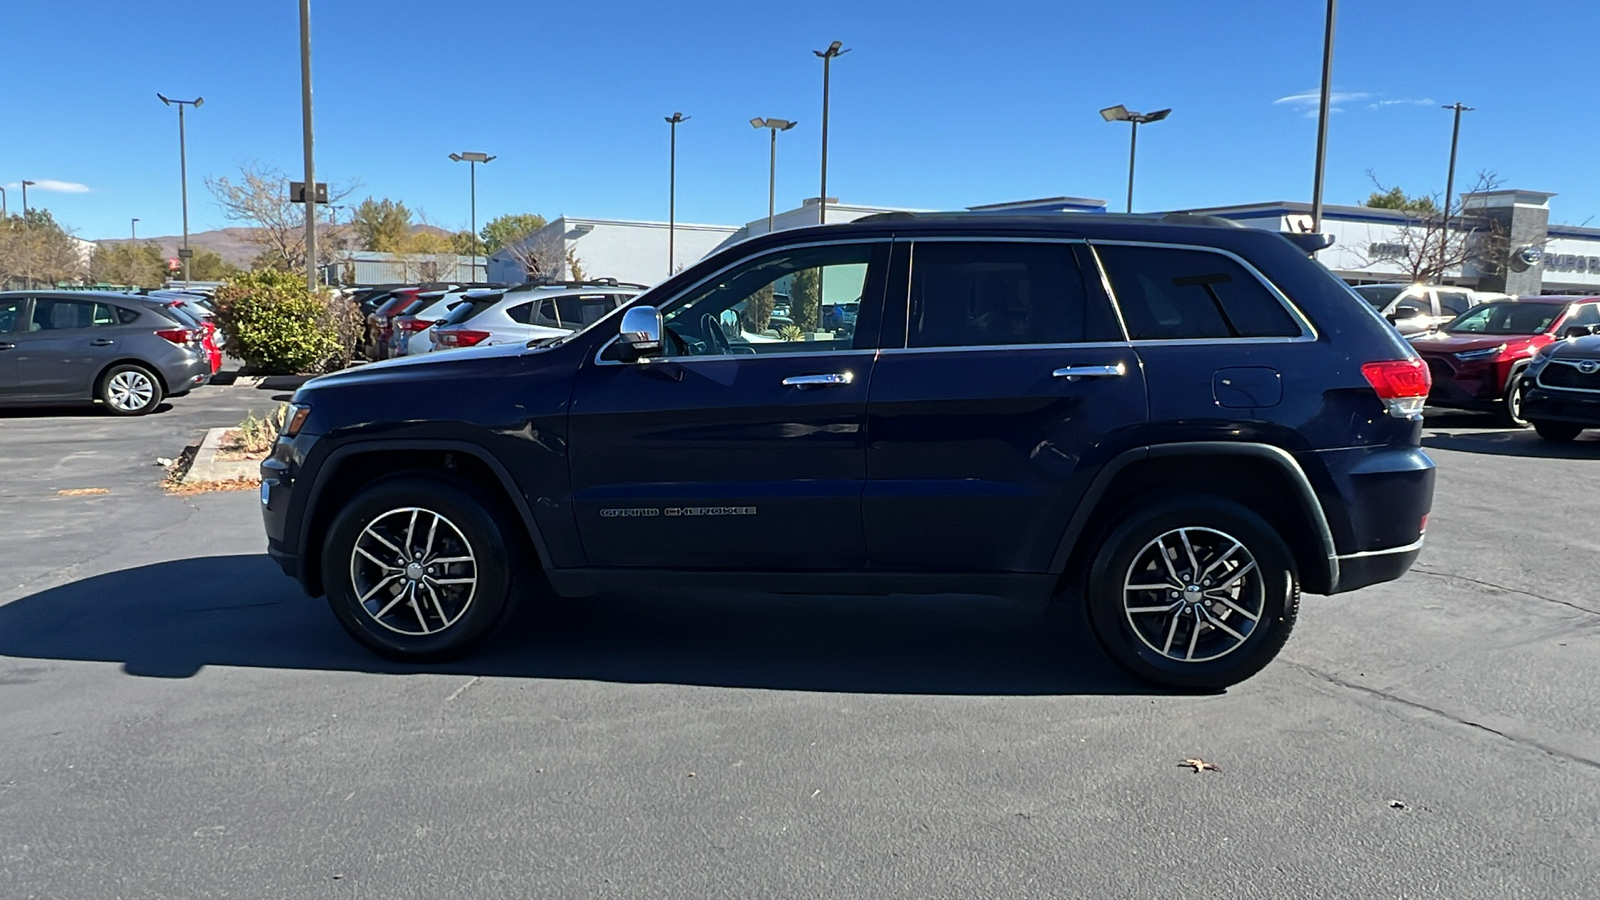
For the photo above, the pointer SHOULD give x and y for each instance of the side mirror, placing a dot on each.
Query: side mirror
(641, 332)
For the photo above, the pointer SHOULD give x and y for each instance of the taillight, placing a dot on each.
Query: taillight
(461, 338)
(1402, 384)
(413, 324)
(179, 336)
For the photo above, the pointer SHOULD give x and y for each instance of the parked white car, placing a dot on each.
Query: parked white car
(1418, 308)
(529, 313)
(412, 332)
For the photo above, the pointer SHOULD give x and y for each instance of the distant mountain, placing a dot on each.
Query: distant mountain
(232, 244)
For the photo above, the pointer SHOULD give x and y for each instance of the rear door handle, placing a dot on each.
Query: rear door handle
(819, 380)
(1073, 373)
(4, 346)
(101, 342)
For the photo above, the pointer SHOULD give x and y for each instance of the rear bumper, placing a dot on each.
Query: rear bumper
(185, 376)
(1359, 570)
(1376, 500)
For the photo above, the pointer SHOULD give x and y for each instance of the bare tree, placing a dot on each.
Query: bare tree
(541, 255)
(34, 249)
(1423, 248)
(260, 200)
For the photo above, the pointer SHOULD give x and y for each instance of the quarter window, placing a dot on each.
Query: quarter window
(1173, 294)
(989, 293)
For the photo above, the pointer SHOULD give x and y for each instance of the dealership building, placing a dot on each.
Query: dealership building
(1370, 245)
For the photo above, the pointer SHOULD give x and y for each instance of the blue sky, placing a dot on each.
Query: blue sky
(939, 104)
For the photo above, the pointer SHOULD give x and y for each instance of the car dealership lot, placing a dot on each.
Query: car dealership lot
(177, 719)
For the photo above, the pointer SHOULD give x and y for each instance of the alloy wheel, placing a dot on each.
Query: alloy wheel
(130, 390)
(1193, 594)
(413, 571)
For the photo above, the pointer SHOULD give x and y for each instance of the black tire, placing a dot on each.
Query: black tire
(1270, 590)
(441, 620)
(129, 390)
(1557, 431)
(1510, 413)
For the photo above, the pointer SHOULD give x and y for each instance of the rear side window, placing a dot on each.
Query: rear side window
(10, 311)
(1174, 294)
(59, 315)
(988, 293)
(582, 310)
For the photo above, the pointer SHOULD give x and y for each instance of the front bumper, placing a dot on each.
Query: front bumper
(1542, 404)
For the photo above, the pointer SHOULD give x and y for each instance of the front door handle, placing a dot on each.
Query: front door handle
(1073, 373)
(819, 380)
(101, 342)
(5, 346)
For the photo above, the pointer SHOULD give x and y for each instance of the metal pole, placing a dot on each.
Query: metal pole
(134, 225)
(1449, 190)
(24, 199)
(672, 199)
(772, 180)
(305, 124)
(1133, 149)
(472, 167)
(1322, 117)
(822, 201)
(183, 188)
(4, 213)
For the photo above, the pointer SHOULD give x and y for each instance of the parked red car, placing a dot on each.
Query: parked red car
(381, 322)
(1477, 358)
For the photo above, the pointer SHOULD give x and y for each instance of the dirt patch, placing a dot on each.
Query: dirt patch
(237, 446)
(82, 492)
(206, 487)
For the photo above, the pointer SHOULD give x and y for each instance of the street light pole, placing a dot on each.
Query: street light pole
(134, 225)
(183, 174)
(775, 125)
(1450, 187)
(472, 160)
(672, 192)
(1322, 116)
(4, 213)
(305, 127)
(1120, 113)
(25, 183)
(828, 55)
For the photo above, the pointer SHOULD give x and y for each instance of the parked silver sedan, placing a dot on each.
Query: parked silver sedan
(79, 347)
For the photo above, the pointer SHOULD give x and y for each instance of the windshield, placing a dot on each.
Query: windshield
(1505, 318)
(1379, 295)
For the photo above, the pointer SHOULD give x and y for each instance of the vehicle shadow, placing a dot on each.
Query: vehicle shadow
(167, 620)
(78, 411)
(1517, 442)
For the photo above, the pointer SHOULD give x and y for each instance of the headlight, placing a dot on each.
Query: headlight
(1485, 353)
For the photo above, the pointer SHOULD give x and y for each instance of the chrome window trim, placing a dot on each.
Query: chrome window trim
(833, 242)
(975, 348)
(911, 267)
(1539, 379)
(1308, 331)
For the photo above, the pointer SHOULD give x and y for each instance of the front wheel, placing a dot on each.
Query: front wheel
(416, 568)
(1196, 593)
(1557, 431)
(1511, 406)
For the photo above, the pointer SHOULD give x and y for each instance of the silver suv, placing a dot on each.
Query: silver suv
(530, 313)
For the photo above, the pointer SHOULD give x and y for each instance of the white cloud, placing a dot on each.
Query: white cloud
(1313, 99)
(1425, 101)
(46, 184)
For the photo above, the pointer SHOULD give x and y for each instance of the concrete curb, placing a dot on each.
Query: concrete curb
(207, 469)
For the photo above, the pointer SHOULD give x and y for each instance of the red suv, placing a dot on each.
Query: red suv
(1477, 358)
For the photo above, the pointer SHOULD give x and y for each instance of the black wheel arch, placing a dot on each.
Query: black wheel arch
(1291, 502)
(313, 510)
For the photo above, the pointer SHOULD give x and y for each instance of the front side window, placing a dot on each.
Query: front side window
(10, 312)
(1584, 314)
(1379, 295)
(999, 293)
(1168, 293)
(737, 314)
(1453, 303)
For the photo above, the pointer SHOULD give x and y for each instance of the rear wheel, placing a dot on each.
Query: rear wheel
(1557, 431)
(416, 568)
(129, 390)
(1196, 593)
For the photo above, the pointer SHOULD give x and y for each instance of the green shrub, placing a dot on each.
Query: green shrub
(276, 326)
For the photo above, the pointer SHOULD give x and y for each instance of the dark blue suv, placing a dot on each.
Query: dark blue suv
(1175, 421)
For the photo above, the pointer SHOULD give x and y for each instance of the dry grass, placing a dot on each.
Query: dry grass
(82, 492)
(254, 437)
(181, 489)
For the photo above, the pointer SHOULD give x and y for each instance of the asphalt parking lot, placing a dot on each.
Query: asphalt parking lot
(178, 720)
